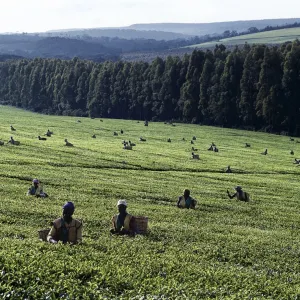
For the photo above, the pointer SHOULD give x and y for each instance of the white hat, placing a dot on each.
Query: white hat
(122, 202)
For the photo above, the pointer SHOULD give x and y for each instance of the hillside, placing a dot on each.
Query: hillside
(200, 29)
(123, 33)
(267, 37)
(227, 249)
(32, 46)
(86, 47)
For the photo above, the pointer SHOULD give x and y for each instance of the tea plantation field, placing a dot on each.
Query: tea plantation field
(224, 249)
(266, 37)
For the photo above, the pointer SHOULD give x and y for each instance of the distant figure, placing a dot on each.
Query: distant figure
(94, 136)
(265, 152)
(169, 140)
(48, 133)
(36, 189)
(194, 138)
(211, 148)
(42, 138)
(239, 194)
(127, 147)
(66, 229)
(195, 156)
(247, 145)
(101, 120)
(192, 142)
(291, 139)
(194, 149)
(186, 201)
(297, 161)
(13, 142)
(183, 139)
(115, 133)
(122, 131)
(216, 149)
(68, 143)
(12, 128)
(292, 152)
(146, 123)
(142, 139)
(123, 223)
(78, 121)
(131, 144)
(1, 143)
(228, 170)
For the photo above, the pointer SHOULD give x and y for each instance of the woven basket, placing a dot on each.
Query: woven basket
(43, 234)
(141, 225)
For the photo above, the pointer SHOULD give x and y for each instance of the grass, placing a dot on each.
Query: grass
(267, 37)
(224, 249)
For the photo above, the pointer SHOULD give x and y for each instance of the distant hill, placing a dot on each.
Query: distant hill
(5, 57)
(124, 33)
(31, 46)
(267, 37)
(85, 47)
(200, 29)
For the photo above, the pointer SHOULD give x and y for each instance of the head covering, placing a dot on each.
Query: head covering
(35, 180)
(187, 192)
(122, 202)
(238, 188)
(68, 208)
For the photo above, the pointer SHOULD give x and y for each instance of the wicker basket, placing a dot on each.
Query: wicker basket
(43, 234)
(141, 225)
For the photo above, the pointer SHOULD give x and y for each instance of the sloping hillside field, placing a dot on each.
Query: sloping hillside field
(224, 249)
(267, 37)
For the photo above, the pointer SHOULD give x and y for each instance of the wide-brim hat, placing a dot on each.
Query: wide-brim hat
(122, 202)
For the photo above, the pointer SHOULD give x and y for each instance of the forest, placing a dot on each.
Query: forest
(254, 87)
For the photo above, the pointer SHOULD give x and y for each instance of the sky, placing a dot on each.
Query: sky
(43, 15)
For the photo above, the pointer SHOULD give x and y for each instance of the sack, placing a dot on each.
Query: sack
(247, 197)
(43, 233)
(141, 225)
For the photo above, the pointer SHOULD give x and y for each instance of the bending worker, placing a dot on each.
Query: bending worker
(66, 229)
(186, 201)
(36, 189)
(123, 223)
(239, 194)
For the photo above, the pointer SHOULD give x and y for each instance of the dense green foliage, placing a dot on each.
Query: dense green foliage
(255, 87)
(223, 250)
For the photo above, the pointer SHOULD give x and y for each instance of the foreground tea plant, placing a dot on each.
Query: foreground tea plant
(224, 249)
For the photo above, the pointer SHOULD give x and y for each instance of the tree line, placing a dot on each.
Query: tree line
(255, 87)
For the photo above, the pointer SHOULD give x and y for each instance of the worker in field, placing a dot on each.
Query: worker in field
(36, 189)
(228, 170)
(66, 229)
(239, 194)
(186, 201)
(123, 223)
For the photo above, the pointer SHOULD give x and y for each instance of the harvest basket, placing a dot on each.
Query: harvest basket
(43, 234)
(141, 225)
